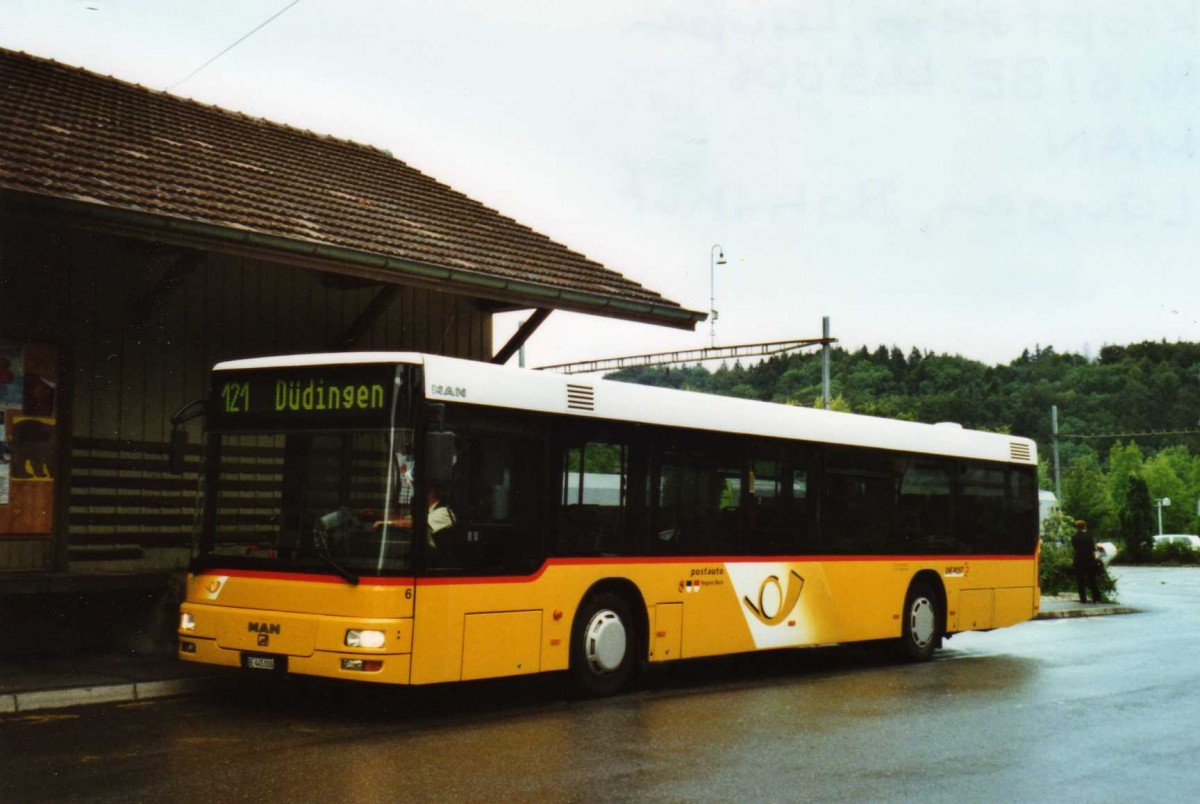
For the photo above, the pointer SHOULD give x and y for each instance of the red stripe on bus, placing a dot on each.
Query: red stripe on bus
(280, 575)
(573, 562)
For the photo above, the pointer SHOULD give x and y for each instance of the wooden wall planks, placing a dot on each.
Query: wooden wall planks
(128, 376)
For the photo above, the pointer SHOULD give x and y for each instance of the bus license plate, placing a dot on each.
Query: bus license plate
(253, 661)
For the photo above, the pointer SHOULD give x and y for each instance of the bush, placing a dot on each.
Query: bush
(1058, 528)
(1174, 553)
(1171, 553)
(1056, 573)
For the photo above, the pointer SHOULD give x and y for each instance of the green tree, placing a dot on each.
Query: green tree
(1045, 474)
(1136, 521)
(744, 390)
(1185, 467)
(598, 458)
(1163, 482)
(1124, 461)
(1085, 495)
(866, 380)
(837, 403)
(796, 384)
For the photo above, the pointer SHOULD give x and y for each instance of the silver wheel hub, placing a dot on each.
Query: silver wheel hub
(922, 623)
(604, 641)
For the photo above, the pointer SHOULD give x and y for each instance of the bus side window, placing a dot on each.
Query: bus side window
(778, 512)
(858, 500)
(700, 499)
(496, 500)
(983, 508)
(1001, 502)
(592, 510)
(1023, 509)
(924, 508)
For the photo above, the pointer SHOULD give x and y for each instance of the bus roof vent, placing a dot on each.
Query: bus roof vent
(581, 397)
(1019, 451)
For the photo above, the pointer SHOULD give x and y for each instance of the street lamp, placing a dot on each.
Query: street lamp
(1161, 504)
(716, 256)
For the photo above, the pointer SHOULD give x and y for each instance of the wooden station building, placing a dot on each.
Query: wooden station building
(145, 237)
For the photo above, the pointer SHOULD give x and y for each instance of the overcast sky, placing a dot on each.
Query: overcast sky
(963, 177)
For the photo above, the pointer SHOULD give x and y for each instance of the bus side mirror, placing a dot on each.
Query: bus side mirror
(439, 457)
(435, 413)
(177, 456)
(177, 450)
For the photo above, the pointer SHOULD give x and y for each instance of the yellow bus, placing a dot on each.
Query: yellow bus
(413, 519)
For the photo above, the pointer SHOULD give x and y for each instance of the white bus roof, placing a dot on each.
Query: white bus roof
(472, 382)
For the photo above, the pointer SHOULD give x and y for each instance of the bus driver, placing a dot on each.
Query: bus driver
(438, 517)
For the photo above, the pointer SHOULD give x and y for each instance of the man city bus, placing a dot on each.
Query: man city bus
(413, 519)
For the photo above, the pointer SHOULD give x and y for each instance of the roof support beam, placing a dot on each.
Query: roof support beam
(523, 333)
(367, 318)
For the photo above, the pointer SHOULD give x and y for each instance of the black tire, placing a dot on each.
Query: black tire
(921, 632)
(603, 645)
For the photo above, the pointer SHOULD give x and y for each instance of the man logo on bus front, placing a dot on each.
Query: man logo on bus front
(774, 602)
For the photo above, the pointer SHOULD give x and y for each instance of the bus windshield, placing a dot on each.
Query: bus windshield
(328, 490)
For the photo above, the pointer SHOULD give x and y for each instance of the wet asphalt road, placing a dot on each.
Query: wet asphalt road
(1096, 709)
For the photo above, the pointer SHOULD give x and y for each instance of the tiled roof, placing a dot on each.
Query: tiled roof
(67, 133)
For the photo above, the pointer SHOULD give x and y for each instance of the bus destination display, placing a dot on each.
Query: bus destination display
(306, 396)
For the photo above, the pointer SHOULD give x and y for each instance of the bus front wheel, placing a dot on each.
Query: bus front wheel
(602, 645)
(921, 634)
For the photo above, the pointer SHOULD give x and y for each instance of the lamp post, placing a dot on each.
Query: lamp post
(1161, 504)
(716, 256)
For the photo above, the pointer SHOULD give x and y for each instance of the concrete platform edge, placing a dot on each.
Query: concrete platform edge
(1090, 611)
(11, 703)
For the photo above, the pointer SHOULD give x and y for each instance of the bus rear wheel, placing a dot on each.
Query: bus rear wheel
(602, 645)
(921, 633)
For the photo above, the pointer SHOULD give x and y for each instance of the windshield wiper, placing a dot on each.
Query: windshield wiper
(323, 553)
(346, 575)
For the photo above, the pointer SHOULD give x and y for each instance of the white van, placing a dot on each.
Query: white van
(1179, 538)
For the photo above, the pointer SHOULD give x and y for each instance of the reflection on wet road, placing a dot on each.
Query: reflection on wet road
(1089, 709)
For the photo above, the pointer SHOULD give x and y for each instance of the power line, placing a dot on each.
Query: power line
(1145, 433)
(257, 28)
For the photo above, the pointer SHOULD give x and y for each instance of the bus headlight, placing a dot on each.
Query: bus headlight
(356, 638)
(186, 621)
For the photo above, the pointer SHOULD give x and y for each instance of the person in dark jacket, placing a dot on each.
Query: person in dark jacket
(1086, 570)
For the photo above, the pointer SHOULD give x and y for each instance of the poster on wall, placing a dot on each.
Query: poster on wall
(12, 376)
(39, 396)
(33, 448)
(29, 437)
(5, 457)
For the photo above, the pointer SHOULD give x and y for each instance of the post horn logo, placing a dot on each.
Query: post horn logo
(774, 602)
(212, 589)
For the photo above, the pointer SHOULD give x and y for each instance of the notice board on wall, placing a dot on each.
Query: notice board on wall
(30, 402)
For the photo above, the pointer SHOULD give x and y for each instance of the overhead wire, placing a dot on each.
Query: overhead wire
(243, 38)
(1142, 434)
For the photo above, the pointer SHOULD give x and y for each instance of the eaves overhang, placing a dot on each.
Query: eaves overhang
(315, 255)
